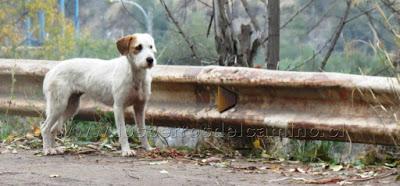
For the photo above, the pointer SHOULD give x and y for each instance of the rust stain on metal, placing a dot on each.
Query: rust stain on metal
(226, 99)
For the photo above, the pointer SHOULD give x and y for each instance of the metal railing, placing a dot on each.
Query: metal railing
(239, 101)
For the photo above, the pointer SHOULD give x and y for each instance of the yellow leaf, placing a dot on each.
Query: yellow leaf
(36, 131)
(10, 138)
(257, 144)
(103, 137)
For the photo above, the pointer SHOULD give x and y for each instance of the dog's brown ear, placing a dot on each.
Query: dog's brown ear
(124, 43)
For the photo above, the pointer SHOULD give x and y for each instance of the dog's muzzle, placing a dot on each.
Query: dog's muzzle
(150, 62)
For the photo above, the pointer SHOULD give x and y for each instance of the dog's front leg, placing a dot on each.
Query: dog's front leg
(123, 138)
(139, 109)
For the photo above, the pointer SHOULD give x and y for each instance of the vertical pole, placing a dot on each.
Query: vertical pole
(42, 24)
(62, 7)
(61, 4)
(149, 21)
(273, 34)
(76, 18)
(28, 33)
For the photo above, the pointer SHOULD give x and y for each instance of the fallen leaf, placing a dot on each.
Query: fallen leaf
(366, 174)
(164, 172)
(391, 165)
(263, 168)
(319, 165)
(86, 151)
(108, 146)
(276, 168)
(344, 182)
(279, 180)
(36, 131)
(320, 181)
(14, 151)
(265, 155)
(158, 162)
(92, 146)
(257, 144)
(211, 160)
(300, 170)
(54, 175)
(336, 167)
(29, 136)
(38, 153)
(10, 138)
(103, 137)
(219, 165)
(165, 153)
(24, 147)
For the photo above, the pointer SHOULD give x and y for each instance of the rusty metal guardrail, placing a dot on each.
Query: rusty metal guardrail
(239, 101)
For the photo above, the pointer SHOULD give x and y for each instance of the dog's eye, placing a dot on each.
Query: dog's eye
(139, 48)
(151, 46)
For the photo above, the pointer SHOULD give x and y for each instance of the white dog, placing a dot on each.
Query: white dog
(120, 83)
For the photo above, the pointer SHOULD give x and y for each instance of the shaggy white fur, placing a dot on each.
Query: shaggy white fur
(120, 83)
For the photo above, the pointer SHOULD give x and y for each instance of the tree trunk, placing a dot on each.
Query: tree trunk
(236, 39)
(272, 59)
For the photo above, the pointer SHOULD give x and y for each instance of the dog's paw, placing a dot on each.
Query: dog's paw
(53, 151)
(128, 153)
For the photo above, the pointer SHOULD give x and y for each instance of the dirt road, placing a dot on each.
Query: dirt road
(26, 168)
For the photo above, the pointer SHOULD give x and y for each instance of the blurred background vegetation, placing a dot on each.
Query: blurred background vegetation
(368, 44)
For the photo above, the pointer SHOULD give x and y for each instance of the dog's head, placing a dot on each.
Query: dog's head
(139, 49)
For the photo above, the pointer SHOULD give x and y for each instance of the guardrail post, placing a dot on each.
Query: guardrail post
(61, 6)
(42, 25)
(76, 18)
(28, 32)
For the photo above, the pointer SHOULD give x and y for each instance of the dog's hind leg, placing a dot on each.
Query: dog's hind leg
(70, 111)
(56, 105)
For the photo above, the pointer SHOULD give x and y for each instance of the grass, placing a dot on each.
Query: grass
(75, 131)
(14, 126)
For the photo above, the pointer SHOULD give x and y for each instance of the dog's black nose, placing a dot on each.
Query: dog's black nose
(150, 60)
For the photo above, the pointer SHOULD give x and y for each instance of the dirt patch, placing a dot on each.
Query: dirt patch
(24, 167)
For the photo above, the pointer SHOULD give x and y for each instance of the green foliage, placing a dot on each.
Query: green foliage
(60, 31)
(315, 151)
(174, 50)
(94, 48)
(12, 126)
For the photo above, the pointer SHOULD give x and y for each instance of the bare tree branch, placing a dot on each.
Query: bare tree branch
(176, 23)
(265, 39)
(204, 3)
(390, 5)
(323, 17)
(297, 13)
(336, 35)
(210, 23)
(252, 17)
(371, 24)
(315, 54)
(363, 12)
